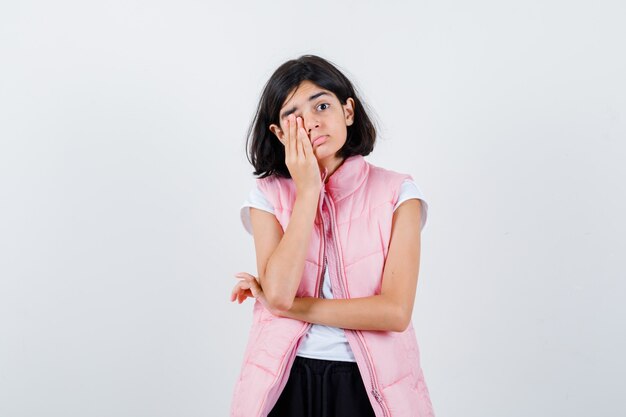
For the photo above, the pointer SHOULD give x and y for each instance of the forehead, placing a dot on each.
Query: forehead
(303, 92)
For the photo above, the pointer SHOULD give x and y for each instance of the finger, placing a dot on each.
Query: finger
(245, 294)
(241, 298)
(243, 282)
(253, 282)
(234, 292)
(307, 147)
(301, 133)
(286, 141)
(246, 276)
(242, 293)
(250, 285)
(254, 288)
(292, 135)
(244, 285)
(243, 276)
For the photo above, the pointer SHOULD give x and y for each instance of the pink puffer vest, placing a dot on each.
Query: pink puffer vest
(352, 230)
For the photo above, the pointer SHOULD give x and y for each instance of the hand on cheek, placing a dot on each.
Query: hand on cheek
(290, 129)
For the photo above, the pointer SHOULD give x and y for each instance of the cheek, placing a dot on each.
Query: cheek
(339, 120)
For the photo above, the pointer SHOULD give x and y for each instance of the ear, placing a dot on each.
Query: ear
(348, 111)
(277, 131)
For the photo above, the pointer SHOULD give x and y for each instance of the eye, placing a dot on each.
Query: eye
(326, 105)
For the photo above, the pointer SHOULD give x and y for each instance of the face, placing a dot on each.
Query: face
(325, 120)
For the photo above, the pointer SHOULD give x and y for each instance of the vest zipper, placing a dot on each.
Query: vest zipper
(373, 380)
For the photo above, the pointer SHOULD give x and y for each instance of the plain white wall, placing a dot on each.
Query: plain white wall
(122, 169)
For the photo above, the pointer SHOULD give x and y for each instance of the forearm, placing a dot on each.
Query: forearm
(286, 264)
(376, 312)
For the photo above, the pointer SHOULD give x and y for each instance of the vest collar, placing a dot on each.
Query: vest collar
(347, 177)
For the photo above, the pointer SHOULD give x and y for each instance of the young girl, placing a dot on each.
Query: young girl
(337, 243)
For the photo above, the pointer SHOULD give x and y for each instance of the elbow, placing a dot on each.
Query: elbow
(276, 295)
(280, 303)
(279, 300)
(402, 321)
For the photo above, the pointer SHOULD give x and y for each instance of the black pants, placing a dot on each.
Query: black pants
(321, 388)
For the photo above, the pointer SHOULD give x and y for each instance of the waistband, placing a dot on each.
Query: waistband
(322, 366)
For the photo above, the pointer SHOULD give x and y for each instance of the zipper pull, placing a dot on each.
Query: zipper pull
(377, 395)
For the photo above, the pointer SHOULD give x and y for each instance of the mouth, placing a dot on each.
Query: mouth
(319, 139)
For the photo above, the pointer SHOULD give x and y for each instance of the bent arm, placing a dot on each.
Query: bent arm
(281, 257)
(392, 309)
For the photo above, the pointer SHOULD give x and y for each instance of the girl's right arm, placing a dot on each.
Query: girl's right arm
(280, 257)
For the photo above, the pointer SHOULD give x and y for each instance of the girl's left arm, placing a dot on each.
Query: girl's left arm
(393, 308)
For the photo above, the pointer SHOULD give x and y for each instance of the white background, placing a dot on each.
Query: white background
(122, 169)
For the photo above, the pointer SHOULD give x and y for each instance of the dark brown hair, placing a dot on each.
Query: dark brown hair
(265, 152)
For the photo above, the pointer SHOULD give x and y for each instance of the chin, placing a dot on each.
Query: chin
(322, 157)
(323, 154)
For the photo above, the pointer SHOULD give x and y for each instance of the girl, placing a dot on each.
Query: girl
(337, 243)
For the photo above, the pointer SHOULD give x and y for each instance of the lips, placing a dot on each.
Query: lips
(319, 139)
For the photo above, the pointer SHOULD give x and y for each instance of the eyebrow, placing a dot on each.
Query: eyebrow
(294, 108)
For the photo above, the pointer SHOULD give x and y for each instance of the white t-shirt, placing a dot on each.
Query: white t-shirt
(327, 342)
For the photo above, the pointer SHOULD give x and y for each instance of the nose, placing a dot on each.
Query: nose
(311, 123)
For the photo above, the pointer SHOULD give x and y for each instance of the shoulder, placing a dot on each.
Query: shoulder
(378, 171)
(402, 187)
(386, 181)
(256, 199)
(279, 191)
(387, 177)
(410, 190)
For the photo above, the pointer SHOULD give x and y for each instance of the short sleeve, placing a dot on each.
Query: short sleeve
(257, 200)
(408, 190)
